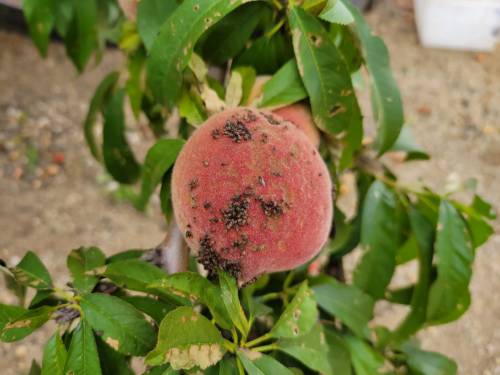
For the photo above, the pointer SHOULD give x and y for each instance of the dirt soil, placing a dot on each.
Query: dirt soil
(54, 197)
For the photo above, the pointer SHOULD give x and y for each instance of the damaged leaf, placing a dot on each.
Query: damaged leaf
(187, 339)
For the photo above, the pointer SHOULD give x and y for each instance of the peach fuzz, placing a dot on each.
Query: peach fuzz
(251, 194)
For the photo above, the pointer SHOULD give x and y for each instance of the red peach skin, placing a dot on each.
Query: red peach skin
(300, 115)
(251, 194)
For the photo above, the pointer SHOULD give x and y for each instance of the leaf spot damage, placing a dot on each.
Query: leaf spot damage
(115, 344)
(203, 356)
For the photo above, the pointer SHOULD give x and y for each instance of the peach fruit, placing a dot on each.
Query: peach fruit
(251, 194)
(300, 115)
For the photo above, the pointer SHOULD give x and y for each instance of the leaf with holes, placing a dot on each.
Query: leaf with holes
(31, 272)
(380, 238)
(172, 48)
(299, 316)
(324, 73)
(80, 262)
(54, 356)
(118, 157)
(349, 304)
(454, 262)
(193, 287)
(187, 339)
(83, 358)
(121, 326)
(9, 313)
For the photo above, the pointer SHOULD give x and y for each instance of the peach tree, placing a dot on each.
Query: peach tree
(254, 109)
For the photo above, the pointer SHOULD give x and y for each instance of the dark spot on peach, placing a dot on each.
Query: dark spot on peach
(207, 205)
(236, 214)
(237, 131)
(193, 184)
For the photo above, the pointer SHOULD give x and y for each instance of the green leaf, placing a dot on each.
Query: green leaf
(82, 260)
(32, 273)
(365, 359)
(285, 87)
(134, 82)
(248, 76)
(407, 251)
(266, 54)
(156, 309)
(123, 327)
(385, 92)
(161, 370)
(9, 313)
(125, 255)
(339, 355)
(229, 292)
(63, 13)
(227, 366)
(159, 159)
(134, 274)
(191, 107)
(299, 317)
(311, 349)
(172, 48)
(228, 37)
(483, 208)
(187, 339)
(347, 234)
(424, 235)
(336, 12)
(260, 364)
(165, 196)
(112, 362)
(401, 295)
(12, 285)
(428, 363)
(324, 74)
(193, 287)
(454, 261)
(54, 356)
(350, 305)
(82, 354)
(151, 14)
(479, 229)
(380, 238)
(99, 100)
(407, 144)
(118, 157)
(35, 368)
(20, 326)
(81, 36)
(40, 18)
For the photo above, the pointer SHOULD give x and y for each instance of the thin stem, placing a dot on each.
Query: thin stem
(258, 340)
(270, 296)
(289, 279)
(266, 348)
(275, 29)
(235, 335)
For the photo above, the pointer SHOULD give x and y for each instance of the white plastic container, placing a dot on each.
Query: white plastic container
(472, 25)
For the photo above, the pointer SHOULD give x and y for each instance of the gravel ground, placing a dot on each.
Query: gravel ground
(53, 196)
